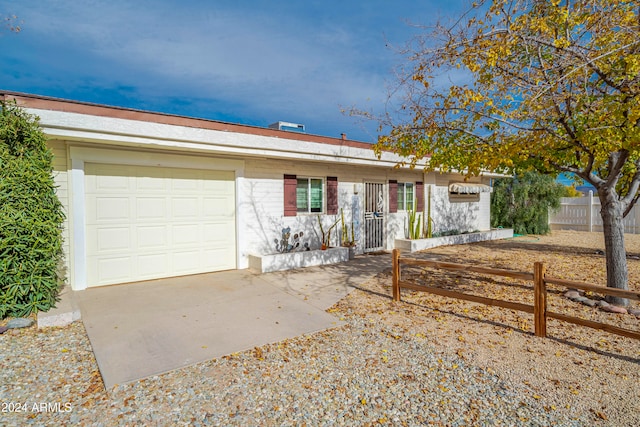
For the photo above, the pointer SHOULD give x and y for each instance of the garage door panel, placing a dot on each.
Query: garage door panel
(217, 208)
(152, 265)
(105, 209)
(220, 187)
(151, 183)
(186, 261)
(114, 239)
(218, 233)
(152, 222)
(151, 208)
(152, 237)
(185, 208)
(115, 181)
(185, 185)
(112, 183)
(186, 234)
(112, 270)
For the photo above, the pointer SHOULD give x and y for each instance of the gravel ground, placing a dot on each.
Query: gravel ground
(424, 361)
(363, 373)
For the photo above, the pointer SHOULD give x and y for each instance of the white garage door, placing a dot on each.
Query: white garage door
(153, 222)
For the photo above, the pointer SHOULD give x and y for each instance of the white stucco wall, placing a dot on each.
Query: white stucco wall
(60, 176)
(260, 165)
(461, 213)
(262, 201)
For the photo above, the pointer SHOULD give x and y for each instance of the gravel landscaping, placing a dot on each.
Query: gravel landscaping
(424, 361)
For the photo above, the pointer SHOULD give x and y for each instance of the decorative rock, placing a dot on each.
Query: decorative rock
(580, 298)
(603, 303)
(614, 309)
(634, 311)
(19, 322)
(590, 302)
(572, 295)
(3, 329)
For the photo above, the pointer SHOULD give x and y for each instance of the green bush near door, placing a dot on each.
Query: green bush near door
(31, 217)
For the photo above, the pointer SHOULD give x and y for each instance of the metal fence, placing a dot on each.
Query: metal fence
(583, 214)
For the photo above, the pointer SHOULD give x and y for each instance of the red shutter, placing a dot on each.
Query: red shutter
(332, 195)
(290, 203)
(393, 196)
(419, 196)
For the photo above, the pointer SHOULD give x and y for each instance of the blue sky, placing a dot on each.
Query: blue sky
(250, 62)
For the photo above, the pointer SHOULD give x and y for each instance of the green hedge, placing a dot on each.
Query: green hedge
(31, 217)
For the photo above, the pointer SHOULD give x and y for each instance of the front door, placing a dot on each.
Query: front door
(373, 216)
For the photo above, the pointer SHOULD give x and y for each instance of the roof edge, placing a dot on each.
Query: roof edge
(81, 107)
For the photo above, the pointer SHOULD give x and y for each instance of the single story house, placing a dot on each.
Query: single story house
(150, 195)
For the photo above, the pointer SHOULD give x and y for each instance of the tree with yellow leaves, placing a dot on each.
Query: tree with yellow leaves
(517, 85)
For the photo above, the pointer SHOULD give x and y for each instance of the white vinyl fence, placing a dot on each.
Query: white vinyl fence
(583, 214)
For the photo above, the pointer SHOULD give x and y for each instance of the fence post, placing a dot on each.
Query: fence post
(590, 212)
(539, 300)
(396, 274)
(636, 216)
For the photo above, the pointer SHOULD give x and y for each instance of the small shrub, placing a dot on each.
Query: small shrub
(446, 233)
(31, 217)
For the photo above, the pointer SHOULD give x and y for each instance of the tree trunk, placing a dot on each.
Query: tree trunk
(616, 256)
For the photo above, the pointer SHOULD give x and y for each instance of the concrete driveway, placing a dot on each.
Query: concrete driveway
(148, 328)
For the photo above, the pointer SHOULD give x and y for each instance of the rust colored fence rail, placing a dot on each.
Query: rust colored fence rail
(540, 281)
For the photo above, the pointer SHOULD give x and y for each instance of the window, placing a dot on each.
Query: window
(309, 195)
(406, 196)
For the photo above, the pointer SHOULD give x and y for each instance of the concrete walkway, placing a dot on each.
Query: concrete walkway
(323, 286)
(148, 328)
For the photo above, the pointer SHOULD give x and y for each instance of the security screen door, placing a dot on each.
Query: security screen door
(373, 216)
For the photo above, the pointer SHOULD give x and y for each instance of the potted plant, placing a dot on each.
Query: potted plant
(326, 236)
(348, 241)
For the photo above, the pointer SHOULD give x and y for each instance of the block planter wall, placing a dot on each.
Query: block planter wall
(292, 260)
(459, 239)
